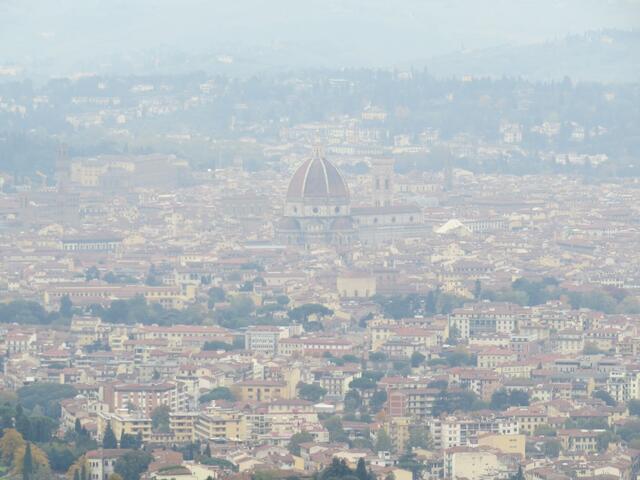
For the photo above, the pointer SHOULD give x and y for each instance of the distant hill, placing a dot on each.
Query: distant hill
(603, 56)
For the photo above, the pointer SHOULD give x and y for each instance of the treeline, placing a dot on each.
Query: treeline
(138, 310)
(27, 312)
(413, 104)
(522, 291)
(434, 302)
(536, 292)
(238, 312)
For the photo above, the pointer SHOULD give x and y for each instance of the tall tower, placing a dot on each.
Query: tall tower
(62, 167)
(382, 178)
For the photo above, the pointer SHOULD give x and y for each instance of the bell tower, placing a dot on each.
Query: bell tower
(382, 180)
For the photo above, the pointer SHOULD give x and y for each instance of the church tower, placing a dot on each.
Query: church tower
(382, 179)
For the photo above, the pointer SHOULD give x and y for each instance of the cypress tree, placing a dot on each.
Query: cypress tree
(27, 463)
(361, 470)
(109, 439)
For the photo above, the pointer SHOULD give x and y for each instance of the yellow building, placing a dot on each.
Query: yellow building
(221, 424)
(87, 330)
(262, 390)
(127, 423)
(528, 418)
(182, 425)
(379, 334)
(398, 430)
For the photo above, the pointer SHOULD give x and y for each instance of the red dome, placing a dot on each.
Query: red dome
(317, 179)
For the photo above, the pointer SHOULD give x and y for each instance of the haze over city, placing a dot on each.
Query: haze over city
(305, 240)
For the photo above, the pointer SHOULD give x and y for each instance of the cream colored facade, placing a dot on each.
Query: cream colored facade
(228, 425)
(504, 443)
(262, 390)
(356, 286)
(398, 430)
(182, 425)
(476, 465)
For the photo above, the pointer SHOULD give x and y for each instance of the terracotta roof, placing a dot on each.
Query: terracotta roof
(317, 178)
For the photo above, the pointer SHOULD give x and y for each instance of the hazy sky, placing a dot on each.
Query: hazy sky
(67, 34)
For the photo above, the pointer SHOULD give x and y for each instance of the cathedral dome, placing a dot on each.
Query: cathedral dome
(317, 180)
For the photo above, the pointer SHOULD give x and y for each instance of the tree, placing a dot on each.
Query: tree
(60, 455)
(502, 399)
(303, 312)
(377, 356)
(132, 464)
(409, 462)
(377, 401)
(92, 273)
(109, 438)
(22, 423)
(604, 439)
(218, 393)
(519, 475)
(36, 461)
(518, 398)
(363, 383)
(333, 425)
(590, 348)
(10, 442)
(361, 470)
(545, 431)
(629, 431)
(352, 401)
(605, 397)
(128, 440)
(477, 289)
(282, 300)
(337, 470)
(634, 407)
(552, 449)
(27, 463)
(417, 359)
(383, 442)
(311, 392)
(66, 307)
(160, 419)
(207, 451)
(40, 428)
(47, 395)
(417, 437)
(217, 345)
(296, 440)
